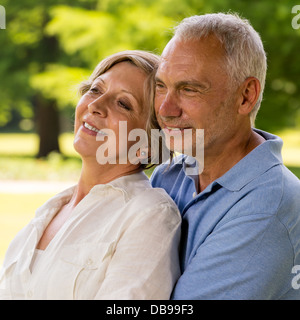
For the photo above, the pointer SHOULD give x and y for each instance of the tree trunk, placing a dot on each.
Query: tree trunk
(47, 120)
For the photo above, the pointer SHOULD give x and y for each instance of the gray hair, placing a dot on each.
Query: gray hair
(245, 54)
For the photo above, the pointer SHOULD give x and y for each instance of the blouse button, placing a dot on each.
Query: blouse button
(89, 262)
(29, 294)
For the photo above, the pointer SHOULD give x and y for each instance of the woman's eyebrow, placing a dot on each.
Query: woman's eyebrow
(122, 90)
(99, 79)
(131, 93)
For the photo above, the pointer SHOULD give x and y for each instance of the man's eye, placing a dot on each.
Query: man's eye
(159, 85)
(189, 89)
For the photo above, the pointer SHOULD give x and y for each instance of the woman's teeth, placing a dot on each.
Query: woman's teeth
(93, 128)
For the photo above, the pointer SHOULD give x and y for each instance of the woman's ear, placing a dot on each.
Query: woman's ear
(250, 91)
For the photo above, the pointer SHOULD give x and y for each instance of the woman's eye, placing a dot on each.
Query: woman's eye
(124, 105)
(94, 90)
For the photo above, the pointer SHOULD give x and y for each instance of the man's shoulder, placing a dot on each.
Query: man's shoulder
(279, 183)
(167, 172)
(275, 193)
(290, 198)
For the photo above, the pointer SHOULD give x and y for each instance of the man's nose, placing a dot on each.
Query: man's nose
(98, 106)
(168, 106)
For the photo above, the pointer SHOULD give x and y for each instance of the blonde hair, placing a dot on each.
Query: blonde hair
(146, 61)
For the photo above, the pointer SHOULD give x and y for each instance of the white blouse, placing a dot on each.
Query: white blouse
(121, 242)
(35, 259)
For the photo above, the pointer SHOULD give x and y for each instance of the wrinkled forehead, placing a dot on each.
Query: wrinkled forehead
(191, 57)
(205, 44)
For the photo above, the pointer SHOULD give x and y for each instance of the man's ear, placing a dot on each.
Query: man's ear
(250, 91)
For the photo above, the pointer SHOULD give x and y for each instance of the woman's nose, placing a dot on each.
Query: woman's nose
(168, 106)
(98, 106)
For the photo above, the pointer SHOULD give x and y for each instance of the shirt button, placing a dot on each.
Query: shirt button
(194, 194)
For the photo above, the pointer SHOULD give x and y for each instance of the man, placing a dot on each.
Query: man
(241, 213)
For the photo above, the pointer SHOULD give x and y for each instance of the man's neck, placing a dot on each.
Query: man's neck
(217, 164)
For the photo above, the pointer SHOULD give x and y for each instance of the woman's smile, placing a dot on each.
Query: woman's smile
(91, 130)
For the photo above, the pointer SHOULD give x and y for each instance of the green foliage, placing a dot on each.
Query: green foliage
(50, 46)
(62, 88)
(81, 31)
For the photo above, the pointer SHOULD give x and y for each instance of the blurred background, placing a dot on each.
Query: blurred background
(50, 46)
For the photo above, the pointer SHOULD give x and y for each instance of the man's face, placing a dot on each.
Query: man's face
(193, 91)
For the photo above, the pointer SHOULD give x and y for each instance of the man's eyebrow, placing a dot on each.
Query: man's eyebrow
(193, 83)
(157, 79)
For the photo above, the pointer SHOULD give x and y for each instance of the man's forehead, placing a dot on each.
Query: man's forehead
(187, 55)
(192, 49)
(176, 55)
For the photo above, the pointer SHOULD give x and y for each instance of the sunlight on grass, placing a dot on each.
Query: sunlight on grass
(66, 144)
(291, 147)
(18, 162)
(16, 210)
(18, 143)
(27, 144)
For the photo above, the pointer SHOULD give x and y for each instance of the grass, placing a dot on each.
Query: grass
(17, 162)
(16, 211)
(54, 167)
(291, 149)
(26, 144)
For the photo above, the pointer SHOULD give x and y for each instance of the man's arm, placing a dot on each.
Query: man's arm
(249, 257)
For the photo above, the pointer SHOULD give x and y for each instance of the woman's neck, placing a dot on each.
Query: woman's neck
(92, 173)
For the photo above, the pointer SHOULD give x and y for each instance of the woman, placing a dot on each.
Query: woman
(111, 236)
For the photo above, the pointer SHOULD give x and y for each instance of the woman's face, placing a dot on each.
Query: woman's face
(117, 95)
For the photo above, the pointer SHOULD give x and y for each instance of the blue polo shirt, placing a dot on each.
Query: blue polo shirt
(241, 235)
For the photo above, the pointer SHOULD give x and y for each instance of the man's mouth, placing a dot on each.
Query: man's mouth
(173, 129)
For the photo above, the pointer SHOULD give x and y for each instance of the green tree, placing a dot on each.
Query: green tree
(50, 47)
(27, 50)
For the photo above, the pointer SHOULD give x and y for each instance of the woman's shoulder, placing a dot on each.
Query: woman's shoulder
(55, 202)
(155, 202)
